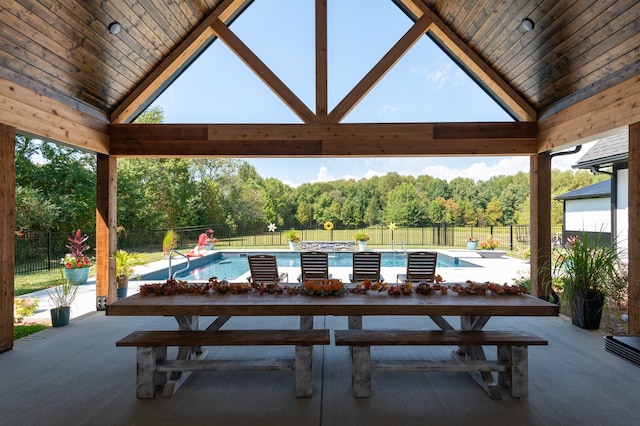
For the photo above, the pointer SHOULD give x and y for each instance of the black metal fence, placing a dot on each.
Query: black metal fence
(44, 251)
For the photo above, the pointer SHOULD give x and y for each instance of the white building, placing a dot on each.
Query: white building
(601, 208)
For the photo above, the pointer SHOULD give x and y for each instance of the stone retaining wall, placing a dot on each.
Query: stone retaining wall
(328, 246)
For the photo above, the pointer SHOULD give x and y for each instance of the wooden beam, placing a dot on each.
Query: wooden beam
(611, 109)
(7, 237)
(35, 114)
(323, 140)
(472, 62)
(174, 62)
(322, 97)
(634, 229)
(106, 208)
(540, 220)
(263, 72)
(380, 69)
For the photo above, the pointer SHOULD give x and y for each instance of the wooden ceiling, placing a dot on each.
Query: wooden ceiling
(62, 49)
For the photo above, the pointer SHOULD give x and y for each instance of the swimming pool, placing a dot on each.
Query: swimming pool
(231, 265)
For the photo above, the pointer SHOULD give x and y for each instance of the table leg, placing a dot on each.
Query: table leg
(304, 362)
(188, 323)
(355, 322)
(177, 378)
(306, 322)
(218, 323)
(441, 322)
(485, 378)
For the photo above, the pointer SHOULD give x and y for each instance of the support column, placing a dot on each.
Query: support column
(106, 239)
(634, 229)
(540, 219)
(7, 237)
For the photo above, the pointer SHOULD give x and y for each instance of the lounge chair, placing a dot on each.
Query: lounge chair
(264, 269)
(314, 265)
(366, 265)
(421, 266)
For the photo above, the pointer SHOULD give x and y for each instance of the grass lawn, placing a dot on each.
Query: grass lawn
(23, 330)
(44, 279)
(37, 281)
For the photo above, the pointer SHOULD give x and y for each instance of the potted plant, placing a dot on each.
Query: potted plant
(62, 297)
(125, 261)
(293, 237)
(490, 244)
(76, 263)
(362, 238)
(586, 267)
(472, 243)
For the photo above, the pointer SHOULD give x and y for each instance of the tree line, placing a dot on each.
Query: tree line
(55, 191)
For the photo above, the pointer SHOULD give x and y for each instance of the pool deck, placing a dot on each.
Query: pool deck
(502, 270)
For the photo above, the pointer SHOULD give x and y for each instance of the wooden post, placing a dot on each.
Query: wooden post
(7, 228)
(540, 219)
(634, 229)
(106, 205)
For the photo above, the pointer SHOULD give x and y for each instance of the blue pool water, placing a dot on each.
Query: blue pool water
(231, 265)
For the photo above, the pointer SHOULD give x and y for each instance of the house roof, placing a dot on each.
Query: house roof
(63, 50)
(606, 152)
(597, 190)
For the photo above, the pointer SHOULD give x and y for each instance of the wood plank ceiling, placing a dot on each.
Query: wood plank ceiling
(62, 49)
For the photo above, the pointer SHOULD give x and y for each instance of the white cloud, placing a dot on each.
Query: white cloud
(481, 170)
(324, 175)
(291, 183)
(371, 173)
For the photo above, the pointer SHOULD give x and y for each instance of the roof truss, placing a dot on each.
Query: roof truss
(425, 22)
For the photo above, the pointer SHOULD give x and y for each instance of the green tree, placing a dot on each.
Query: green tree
(437, 210)
(34, 213)
(154, 115)
(469, 214)
(464, 189)
(373, 212)
(493, 212)
(404, 206)
(433, 187)
(64, 177)
(279, 203)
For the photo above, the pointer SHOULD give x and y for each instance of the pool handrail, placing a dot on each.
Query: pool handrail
(173, 276)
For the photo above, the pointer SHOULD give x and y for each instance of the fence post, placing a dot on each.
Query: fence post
(48, 251)
(511, 237)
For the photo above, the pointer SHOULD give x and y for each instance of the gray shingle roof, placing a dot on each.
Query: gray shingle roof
(606, 152)
(597, 190)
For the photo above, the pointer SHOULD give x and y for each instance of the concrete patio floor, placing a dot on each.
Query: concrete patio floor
(75, 375)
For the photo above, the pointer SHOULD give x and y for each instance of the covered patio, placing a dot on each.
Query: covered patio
(76, 375)
(575, 77)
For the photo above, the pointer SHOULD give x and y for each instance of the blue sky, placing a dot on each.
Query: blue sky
(425, 85)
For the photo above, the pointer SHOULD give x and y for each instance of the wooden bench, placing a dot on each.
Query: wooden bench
(511, 364)
(153, 368)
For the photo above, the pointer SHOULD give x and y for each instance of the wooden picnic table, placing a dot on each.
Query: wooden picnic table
(474, 312)
(372, 303)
